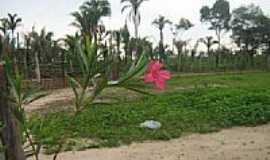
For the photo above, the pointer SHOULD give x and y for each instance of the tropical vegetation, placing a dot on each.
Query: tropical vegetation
(96, 62)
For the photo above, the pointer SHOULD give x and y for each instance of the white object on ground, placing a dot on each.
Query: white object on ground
(151, 124)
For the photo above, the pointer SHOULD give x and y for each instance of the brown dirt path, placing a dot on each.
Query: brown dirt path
(54, 99)
(240, 143)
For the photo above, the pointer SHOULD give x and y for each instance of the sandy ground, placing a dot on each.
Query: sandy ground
(241, 143)
(57, 98)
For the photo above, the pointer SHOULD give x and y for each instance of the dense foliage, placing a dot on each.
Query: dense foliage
(39, 55)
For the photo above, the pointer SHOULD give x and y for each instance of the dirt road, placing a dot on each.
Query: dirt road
(241, 143)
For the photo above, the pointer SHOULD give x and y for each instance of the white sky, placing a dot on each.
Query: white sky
(55, 15)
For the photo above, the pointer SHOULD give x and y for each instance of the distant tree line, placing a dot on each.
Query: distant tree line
(37, 54)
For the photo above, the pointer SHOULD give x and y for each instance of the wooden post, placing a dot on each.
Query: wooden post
(10, 136)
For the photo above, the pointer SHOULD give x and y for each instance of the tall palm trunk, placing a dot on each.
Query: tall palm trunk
(136, 26)
(116, 64)
(173, 43)
(218, 33)
(13, 51)
(63, 69)
(127, 56)
(37, 68)
(136, 33)
(25, 63)
(10, 135)
(208, 49)
(161, 46)
(26, 58)
(179, 60)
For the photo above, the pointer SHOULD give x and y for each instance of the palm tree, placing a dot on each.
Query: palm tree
(89, 16)
(134, 13)
(140, 45)
(27, 45)
(179, 28)
(81, 22)
(4, 39)
(36, 47)
(117, 38)
(208, 42)
(13, 23)
(160, 23)
(116, 35)
(180, 47)
(4, 25)
(40, 44)
(71, 51)
(125, 36)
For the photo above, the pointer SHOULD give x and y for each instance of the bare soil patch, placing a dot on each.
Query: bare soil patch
(240, 143)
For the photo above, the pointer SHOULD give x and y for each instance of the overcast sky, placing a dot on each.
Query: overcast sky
(55, 15)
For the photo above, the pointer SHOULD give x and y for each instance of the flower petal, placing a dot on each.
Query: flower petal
(156, 66)
(148, 78)
(164, 74)
(150, 66)
(160, 84)
(156, 75)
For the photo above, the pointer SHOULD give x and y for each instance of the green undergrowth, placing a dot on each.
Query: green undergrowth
(209, 104)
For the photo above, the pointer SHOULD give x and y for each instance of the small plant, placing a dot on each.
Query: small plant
(20, 97)
(94, 79)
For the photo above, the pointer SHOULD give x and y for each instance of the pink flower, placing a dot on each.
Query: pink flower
(156, 75)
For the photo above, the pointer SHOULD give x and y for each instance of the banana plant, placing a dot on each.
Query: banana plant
(94, 78)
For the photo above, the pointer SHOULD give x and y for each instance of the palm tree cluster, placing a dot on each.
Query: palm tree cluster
(39, 55)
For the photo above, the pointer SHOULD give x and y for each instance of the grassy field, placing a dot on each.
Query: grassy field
(191, 104)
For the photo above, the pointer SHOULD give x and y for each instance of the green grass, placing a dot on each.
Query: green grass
(192, 104)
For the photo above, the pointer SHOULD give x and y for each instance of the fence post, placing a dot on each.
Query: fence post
(10, 135)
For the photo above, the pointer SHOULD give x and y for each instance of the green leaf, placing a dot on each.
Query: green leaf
(135, 70)
(74, 85)
(137, 90)
(32, 96)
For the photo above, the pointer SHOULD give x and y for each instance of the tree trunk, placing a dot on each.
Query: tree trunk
(208, 50)
(136, 38)
(179, 57)
(217, 59)
(136, 28)
(218, 32)
(127, 57)
(25, 63)
(161, 41)
(13, 52)
(63, 69)
(10, 135)
(115, 68)
(37, 68)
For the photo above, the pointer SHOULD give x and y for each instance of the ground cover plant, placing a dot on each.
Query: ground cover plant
(202, 104)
